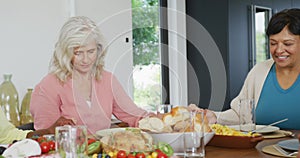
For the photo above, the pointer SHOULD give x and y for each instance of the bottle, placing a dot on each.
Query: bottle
(25, 115)
(9, 100)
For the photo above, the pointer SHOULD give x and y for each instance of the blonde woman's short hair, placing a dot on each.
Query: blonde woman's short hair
(76, 32)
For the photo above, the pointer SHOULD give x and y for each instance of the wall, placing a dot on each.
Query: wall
(29, 30)
(227, 22)
(214, 19)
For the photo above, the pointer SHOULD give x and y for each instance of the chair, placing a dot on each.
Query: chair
(27, 126)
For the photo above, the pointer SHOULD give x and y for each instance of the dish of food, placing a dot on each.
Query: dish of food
(105, 132)
(291, 144)
(226, 136)
(171, 127)
(176, 121)
(129, 140)
(262, 129)
(241, 142)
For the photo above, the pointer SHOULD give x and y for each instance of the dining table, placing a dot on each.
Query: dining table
(224, 152)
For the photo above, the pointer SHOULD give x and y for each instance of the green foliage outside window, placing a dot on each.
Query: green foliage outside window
(261, 45)
(146, 58)
(145, 15)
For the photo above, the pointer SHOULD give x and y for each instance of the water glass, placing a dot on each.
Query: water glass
(247, 115)
(71, 141)
(194, 136)
(164, 108)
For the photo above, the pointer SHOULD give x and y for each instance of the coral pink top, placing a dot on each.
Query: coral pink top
(52, 99)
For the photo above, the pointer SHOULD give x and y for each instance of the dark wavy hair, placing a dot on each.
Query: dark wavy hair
(287, 17)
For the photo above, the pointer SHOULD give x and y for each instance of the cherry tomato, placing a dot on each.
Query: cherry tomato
(91, 140)
(130, 156)
(45, 147)
(51, 145)
(41, 139)
(162, 155)
(158, 150)
(121, 154)
(140, 155)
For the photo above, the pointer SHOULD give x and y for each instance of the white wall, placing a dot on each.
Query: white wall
(29, 30)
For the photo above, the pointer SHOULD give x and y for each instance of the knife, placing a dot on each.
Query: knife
(274, 123)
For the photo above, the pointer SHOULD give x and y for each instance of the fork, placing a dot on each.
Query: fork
(284, 152)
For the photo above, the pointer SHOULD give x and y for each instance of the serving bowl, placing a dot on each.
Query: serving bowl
(240, 142)
(176, 139)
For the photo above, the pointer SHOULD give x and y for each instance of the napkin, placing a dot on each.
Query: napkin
(23, 148)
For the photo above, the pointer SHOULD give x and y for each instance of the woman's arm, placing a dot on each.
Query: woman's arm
(51, 130)
(123, 106)
(45, 103)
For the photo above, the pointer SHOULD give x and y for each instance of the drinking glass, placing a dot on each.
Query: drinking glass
(71, 141)
(164, 108)
(247, 115)
(194, 136)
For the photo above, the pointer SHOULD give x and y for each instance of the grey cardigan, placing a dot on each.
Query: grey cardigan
(251, 89)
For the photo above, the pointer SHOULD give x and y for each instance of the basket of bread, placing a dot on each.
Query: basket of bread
(171, 126)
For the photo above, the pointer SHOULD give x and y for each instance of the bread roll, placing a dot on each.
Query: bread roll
(153, 124)
(168, 119)
(175, 121)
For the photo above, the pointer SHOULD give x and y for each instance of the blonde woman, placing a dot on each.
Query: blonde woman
(77, 86)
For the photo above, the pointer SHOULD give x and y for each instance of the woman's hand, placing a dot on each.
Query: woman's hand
(210, 115)
(61, 122)
(51, 130)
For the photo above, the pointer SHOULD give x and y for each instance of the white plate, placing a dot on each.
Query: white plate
(291, 144)
(266, 129)
(105, 132)
(262, 129)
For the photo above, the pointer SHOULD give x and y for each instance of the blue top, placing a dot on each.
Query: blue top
(276, 103)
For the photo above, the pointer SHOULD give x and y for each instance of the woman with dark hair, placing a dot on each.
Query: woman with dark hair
(274, 84)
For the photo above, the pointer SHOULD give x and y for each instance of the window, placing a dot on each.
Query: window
(259, 50)
(146, 56)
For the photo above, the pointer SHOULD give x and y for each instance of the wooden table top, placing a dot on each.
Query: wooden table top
(220, 152)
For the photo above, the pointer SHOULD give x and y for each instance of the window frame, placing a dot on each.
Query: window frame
(252, 49)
